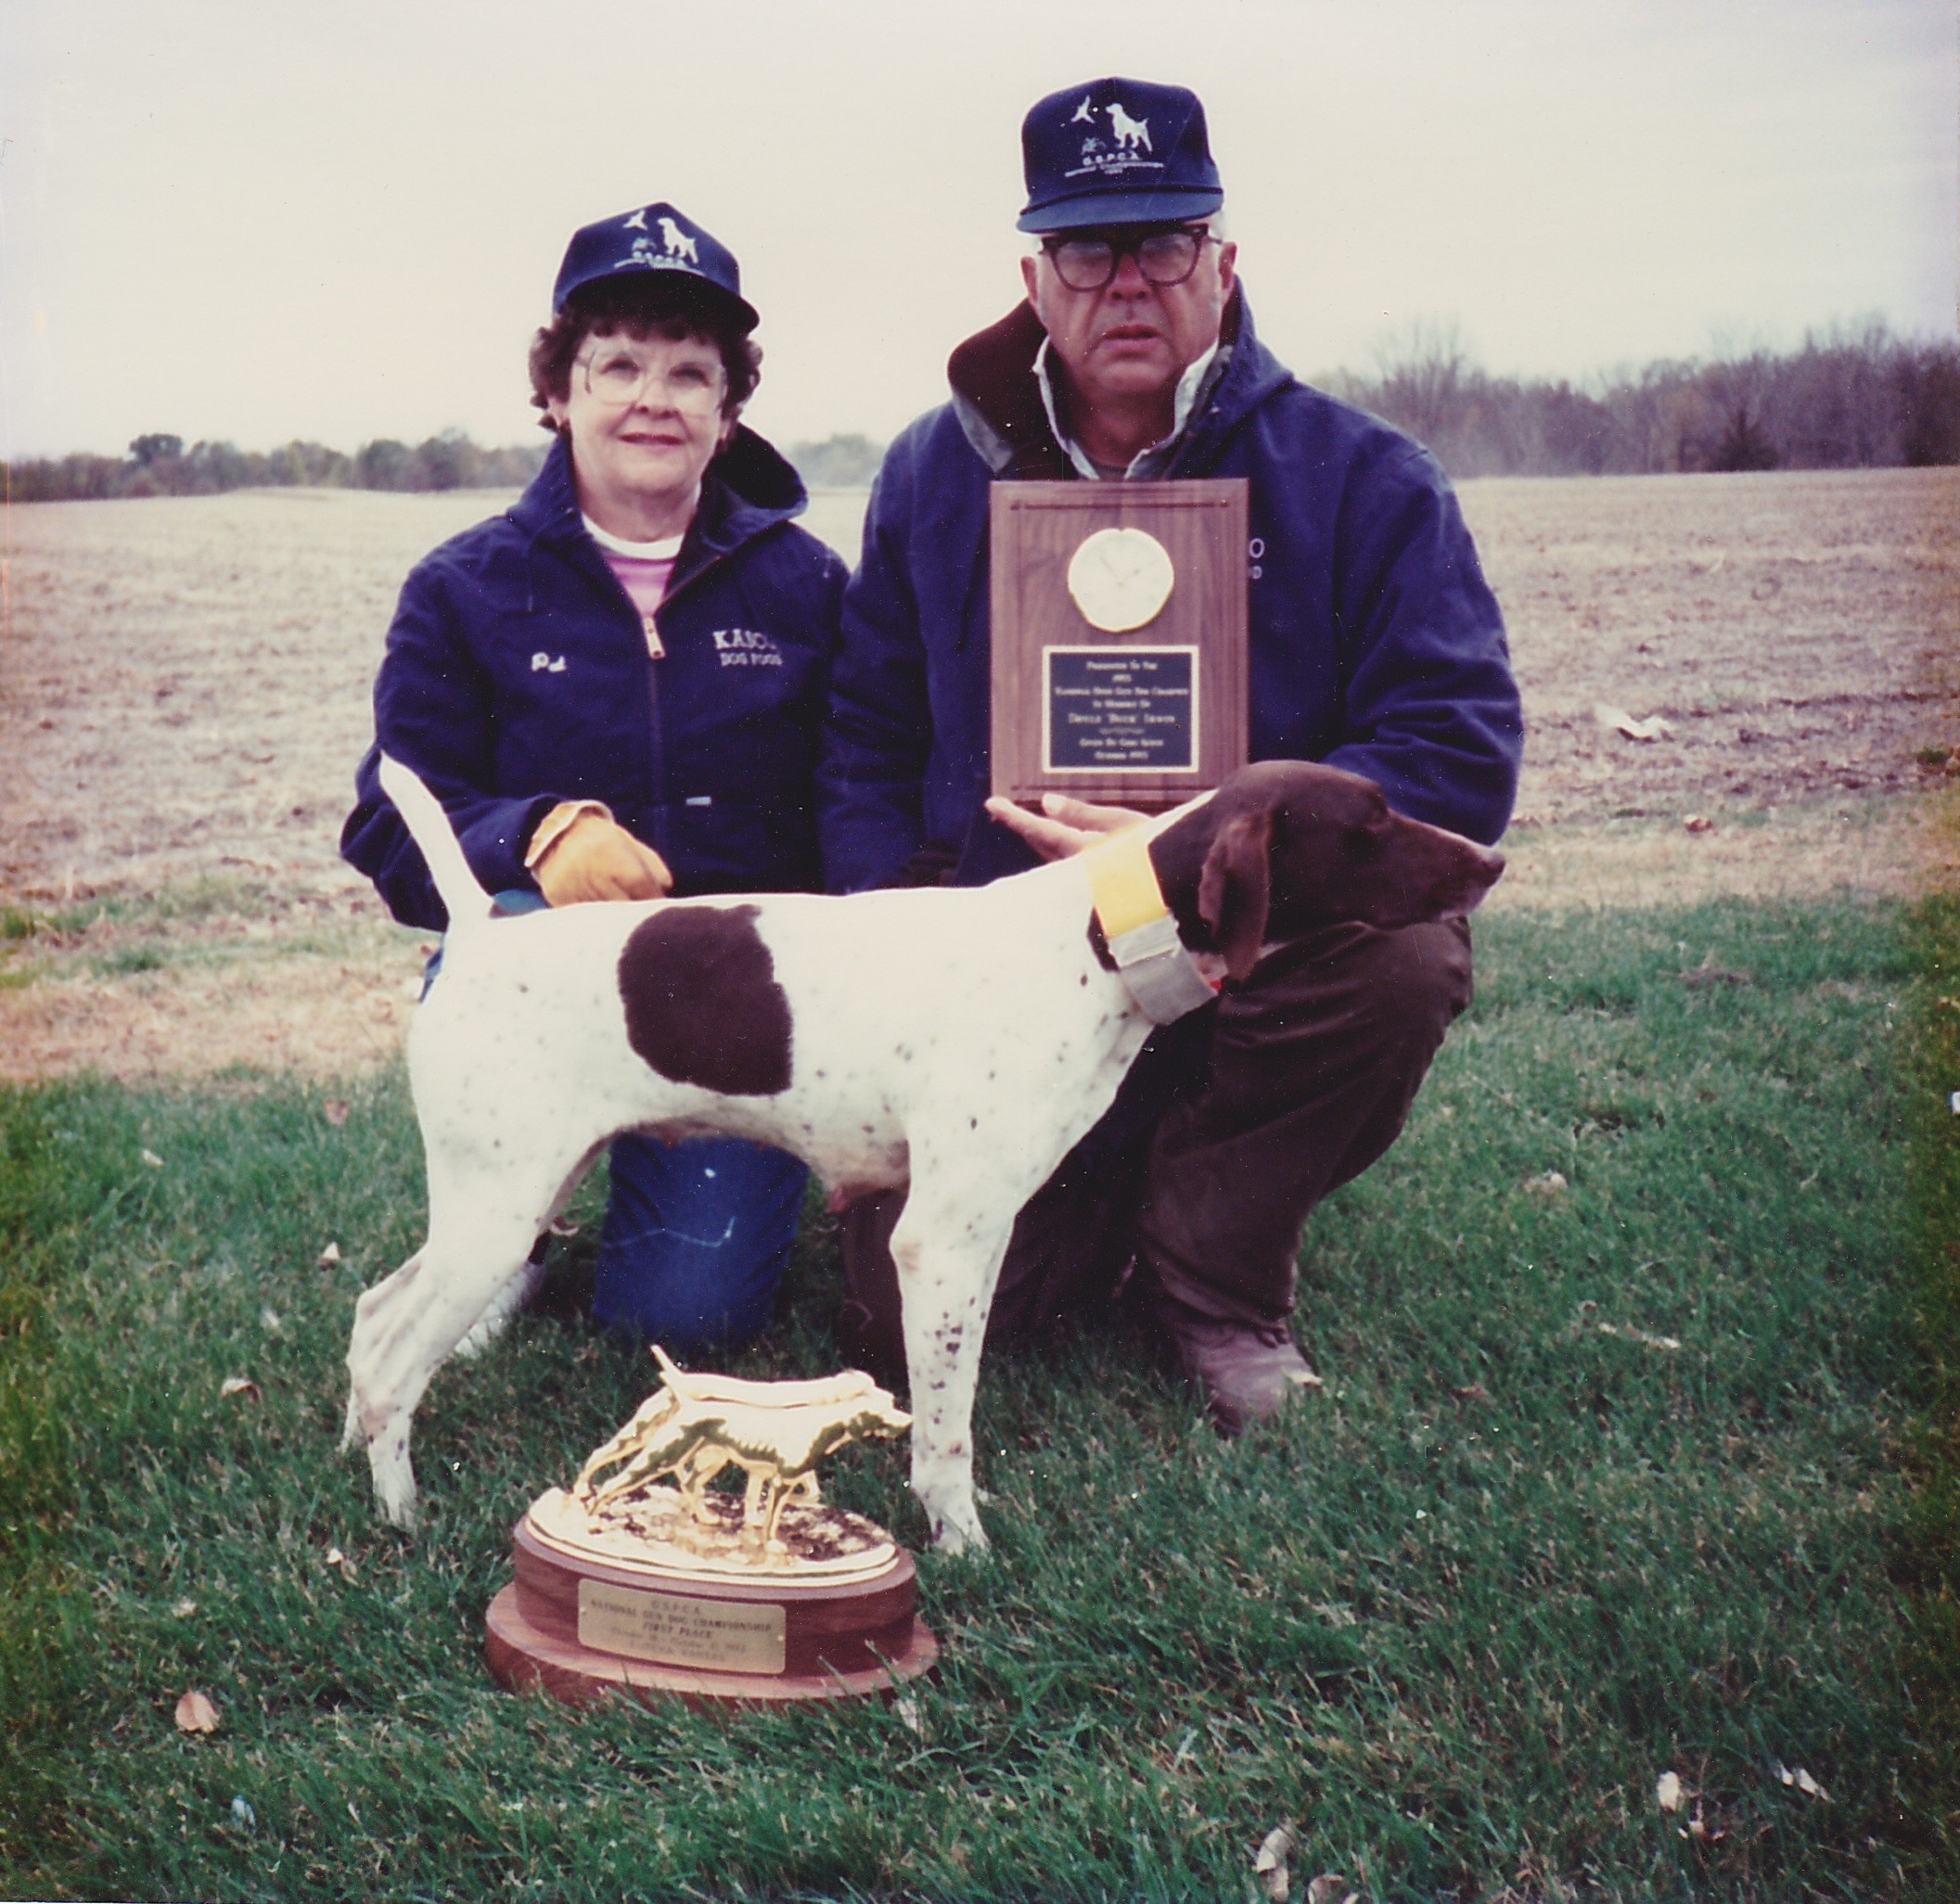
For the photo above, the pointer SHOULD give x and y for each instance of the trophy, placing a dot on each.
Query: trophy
(642, 1578)
(1118, 631)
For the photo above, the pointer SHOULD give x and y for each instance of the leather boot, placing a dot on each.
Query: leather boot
(1246, 1372)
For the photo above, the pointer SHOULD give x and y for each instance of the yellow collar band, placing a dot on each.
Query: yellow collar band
(1150, 959)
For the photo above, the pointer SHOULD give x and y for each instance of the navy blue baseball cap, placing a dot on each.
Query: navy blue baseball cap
(656, 238)
(1117, 152)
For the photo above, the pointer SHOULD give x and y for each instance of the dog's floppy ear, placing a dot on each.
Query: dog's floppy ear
(1235, 888)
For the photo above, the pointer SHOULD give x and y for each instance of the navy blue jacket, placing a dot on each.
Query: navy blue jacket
(1374, 643)
(517, 675)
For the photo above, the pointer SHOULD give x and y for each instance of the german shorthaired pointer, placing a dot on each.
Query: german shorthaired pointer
(957, 1041)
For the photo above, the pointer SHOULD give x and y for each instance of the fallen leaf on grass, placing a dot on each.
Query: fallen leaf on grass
(183, 1609)
(1475, 1391)
(239, 1384)
(337, 1559)
(269, 1320)
(1269, 1863)
(1329, 1887)
(1698, 823)
(1667, 1794)
(908, 1715)
(1804, 1782)
(195, 1713)
(242, 1813)
(1551, 1184)
(152, 1159)
(335, 1110)
(1627, 1332)
(1617, 720)
(328, 1257)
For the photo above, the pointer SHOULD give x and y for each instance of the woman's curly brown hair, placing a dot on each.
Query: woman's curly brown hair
(643, 305)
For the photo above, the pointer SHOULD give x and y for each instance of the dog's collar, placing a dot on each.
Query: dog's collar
(1150, 959)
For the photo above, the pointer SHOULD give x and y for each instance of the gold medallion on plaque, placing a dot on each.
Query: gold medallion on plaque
(645, 1578)
(1119, 638)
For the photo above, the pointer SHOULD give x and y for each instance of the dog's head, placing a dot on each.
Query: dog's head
(878, 1413)
(1284, 846)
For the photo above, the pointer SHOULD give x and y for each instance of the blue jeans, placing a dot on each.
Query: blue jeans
(697, 1234)
(696, 1238)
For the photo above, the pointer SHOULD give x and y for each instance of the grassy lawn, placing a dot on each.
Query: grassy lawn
(1623, 1470)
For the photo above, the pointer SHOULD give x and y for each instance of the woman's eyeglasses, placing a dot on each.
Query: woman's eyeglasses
(618, 378)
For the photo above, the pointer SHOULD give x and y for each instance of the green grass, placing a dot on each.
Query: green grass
(211, 920)
(1453, 1620)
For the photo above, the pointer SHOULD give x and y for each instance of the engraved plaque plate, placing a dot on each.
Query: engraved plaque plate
(1129, 707)
(718, 1635)
(1152, 574)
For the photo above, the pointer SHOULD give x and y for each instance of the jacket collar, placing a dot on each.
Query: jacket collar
(748, 488)
(998, 399)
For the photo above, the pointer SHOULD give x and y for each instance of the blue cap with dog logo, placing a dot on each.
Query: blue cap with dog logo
(656, 238)
(1117, 152)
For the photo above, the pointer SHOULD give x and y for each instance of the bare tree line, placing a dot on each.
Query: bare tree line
(1851, 398)
(160, 465)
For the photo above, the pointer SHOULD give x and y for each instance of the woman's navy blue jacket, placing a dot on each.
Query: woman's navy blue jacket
(1375, 644)
(517, 675)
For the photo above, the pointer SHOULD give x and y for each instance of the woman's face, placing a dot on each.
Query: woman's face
(645, 418)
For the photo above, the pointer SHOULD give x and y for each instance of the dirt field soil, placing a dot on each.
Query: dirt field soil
(184, 692)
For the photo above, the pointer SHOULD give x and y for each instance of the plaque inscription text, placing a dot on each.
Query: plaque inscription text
(720, 1635)
(1119, 706)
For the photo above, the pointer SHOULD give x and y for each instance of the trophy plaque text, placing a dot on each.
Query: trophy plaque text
(644, 1578)
(1118, 631)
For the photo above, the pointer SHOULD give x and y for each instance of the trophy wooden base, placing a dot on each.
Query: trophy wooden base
(576, 1626)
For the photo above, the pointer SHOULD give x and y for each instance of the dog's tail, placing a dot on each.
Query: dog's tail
(463, 898)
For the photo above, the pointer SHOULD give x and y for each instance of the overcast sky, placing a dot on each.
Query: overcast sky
(263, 219)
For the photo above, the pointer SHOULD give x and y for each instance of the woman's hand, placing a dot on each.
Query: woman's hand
(1069, 825)
(587, 854)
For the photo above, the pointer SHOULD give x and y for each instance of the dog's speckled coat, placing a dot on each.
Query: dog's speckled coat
(958, 1042)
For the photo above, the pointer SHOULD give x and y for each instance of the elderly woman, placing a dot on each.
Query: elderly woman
(614, 690)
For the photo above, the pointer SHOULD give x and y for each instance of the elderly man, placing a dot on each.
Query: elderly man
(1375, 645)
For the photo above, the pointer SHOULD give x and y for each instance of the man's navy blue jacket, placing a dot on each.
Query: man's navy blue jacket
(1375, 644)
(517, 675)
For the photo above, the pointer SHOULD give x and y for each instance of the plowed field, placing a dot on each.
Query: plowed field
(184, 692)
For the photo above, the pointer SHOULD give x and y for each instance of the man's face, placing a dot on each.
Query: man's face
(1132, 338)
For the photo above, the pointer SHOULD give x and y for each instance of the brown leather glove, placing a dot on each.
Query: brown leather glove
(581, 852)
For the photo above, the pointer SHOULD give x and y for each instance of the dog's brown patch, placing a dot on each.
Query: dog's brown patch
(702, 1003)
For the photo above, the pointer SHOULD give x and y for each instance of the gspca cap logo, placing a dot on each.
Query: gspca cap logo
(678, 250)
(1123, 151)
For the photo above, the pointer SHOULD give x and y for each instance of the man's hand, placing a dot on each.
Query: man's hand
(580, 853)
(1069, 827)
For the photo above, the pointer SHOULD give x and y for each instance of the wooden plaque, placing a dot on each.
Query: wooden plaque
(578, 1627)
(1118, 631)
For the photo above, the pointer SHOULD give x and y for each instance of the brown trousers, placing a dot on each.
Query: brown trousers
(1232, 1125)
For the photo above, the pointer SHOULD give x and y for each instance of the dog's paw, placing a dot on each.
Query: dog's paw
(959, 1533)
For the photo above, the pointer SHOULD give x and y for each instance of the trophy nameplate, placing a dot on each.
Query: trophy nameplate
(648, 1580)
(1119, 634)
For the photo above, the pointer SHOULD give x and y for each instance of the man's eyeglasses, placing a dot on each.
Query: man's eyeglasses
(1165, 258)
(617, 378)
